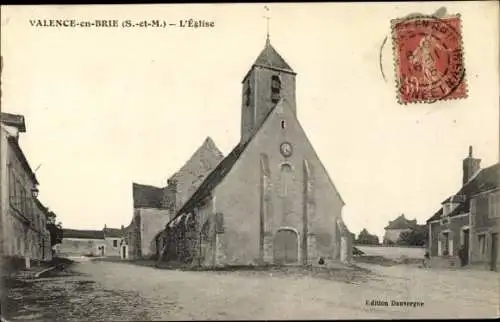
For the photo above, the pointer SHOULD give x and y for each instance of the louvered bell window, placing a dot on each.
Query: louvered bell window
(275, 88)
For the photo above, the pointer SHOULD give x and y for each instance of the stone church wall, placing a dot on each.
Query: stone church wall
(260, 83)
(238, 196)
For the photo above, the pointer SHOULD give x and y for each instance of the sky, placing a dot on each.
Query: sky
(106, 107)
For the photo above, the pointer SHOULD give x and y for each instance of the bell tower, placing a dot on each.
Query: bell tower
(269, 80)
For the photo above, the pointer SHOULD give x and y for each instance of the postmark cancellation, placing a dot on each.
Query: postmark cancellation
(428, 58)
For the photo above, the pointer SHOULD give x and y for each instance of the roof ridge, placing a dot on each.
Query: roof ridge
(14, 143)
(470, 188)
(146, 196)
(197, 194)
(208, 144)
(145, 185)
(476, 175)
(269, 57)
(497, 164)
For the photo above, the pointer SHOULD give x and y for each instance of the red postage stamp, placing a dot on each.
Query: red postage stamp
(429, 59)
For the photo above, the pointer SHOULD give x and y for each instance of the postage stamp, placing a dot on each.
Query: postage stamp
(429, 62)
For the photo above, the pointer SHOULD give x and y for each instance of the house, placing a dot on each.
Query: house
(469, 218)
(41, 215)
(397, 226)
(154, 206)
(485, 217)
(270, 200)
(23, 218)
(102, 243)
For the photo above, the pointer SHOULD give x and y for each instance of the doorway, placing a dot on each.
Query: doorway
(446, 244)
(124, 252)
(494, 251)
(286, 247)
(466, 244)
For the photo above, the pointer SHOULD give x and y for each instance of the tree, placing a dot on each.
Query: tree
(55, 230)
(415, 237)
(388, 241)
(365, 238)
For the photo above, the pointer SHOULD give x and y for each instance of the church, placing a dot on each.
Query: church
(270, 200)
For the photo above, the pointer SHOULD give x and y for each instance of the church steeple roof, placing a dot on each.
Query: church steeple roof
(269, 57)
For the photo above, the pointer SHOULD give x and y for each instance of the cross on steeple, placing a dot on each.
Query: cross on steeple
(268, 18)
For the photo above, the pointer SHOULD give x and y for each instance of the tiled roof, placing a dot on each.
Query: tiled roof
(203, 160)
(401, 223)
(214, 178)
(147, 196)
(436, 215)
(199, 156)
(195, 170)
(114, 232)
(487, 179)
(269, 57)
(14, 120)
(83, 234)
(219, 173)
(22, 158)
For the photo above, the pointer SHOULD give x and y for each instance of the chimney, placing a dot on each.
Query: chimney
(171, 197)
(470, 166)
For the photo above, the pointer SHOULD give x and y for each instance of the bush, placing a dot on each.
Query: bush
(365, 238)
(388, 242)
(415, 237)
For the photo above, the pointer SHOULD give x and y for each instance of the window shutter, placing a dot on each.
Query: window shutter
(275, 88)
(12, 186)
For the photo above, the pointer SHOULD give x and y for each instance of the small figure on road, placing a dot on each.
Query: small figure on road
(427, 259)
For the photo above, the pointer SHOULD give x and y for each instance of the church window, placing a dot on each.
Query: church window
(283, 124)
(275, 88)
(286, 173)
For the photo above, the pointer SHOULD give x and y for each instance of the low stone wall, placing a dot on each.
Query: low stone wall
(392, 252)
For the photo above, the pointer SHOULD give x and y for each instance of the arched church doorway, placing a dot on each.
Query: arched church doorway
(286, 246)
